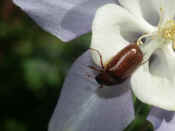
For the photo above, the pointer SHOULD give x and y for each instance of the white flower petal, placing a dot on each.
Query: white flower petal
(113, 28)
(169, 10)
(150, 9)
(66, 19)
(82, 106)
(144, 9)
(154, 82)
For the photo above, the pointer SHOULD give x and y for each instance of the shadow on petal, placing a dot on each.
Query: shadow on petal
(169, 115)
(113, 91)
(151, 15)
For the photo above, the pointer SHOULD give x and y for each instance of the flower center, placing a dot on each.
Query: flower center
(154, 40)
(167, 31)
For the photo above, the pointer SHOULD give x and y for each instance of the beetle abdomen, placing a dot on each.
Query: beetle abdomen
(125, 62)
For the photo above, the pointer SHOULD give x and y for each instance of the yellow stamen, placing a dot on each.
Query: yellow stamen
(168, 30)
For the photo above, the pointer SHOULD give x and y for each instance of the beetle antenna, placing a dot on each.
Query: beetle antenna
(101, 60)
(95, 68)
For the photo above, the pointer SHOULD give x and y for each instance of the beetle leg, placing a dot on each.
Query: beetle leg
(101, 60)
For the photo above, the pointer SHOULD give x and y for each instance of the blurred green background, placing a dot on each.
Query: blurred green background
(33, 65)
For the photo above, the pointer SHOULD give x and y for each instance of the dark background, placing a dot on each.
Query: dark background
(33, 65)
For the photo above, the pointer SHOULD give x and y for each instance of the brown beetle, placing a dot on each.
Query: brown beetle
(121, 66)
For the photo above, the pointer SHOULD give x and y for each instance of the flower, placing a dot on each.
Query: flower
(82, 106)
(153, 82)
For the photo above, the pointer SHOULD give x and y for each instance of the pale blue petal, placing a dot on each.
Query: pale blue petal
(156, 116)
(66, 19)
(162, 120)
(82, 106)
(167, 125)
